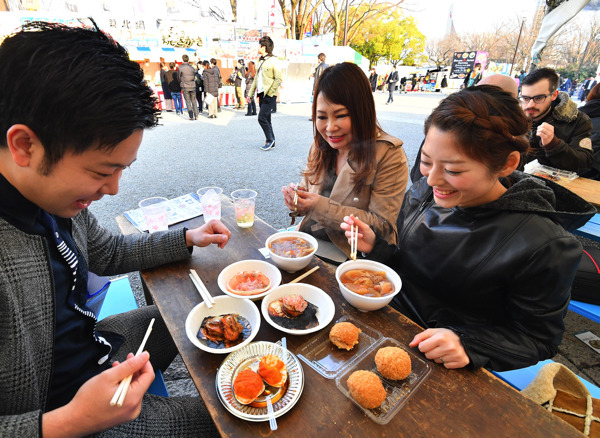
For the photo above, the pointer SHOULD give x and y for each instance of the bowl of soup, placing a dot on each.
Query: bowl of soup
(367, 285)
(291, 250)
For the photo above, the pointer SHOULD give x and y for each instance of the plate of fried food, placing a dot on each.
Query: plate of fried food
(298, 308)
(252, 279)
(382, 380)
(259, 371)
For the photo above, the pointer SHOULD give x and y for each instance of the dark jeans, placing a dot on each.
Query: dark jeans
(177, 100)
(252, 106)
(266, 104)
(391, 97)
(190, 102)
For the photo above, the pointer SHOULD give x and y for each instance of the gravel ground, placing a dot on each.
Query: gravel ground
(181, 156)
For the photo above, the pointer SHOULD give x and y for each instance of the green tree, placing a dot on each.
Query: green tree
(395, 39)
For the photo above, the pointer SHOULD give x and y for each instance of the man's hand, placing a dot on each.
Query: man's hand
(212, 232)
(546, 133)
(90, 410)
(442, 346)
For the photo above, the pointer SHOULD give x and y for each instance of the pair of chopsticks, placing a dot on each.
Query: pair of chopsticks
(121, 391)
(306, 274)
(353, 241)
(204, 293)
(296, 199)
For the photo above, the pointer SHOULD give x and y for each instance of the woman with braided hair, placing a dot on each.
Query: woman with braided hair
(484, 251)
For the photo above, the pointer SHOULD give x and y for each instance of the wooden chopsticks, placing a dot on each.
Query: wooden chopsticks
(121, 391)
(306, 274)
(353, 241)
(204, 293)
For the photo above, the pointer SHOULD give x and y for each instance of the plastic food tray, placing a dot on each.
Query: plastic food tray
(398, 391)
(328, 360)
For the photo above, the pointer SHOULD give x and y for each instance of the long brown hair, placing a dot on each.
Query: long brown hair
(346, 84)
(251, 69)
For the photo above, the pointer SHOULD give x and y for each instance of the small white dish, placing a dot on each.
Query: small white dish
(223, 305)
(289, 264)
(310, 293)
(266, 268)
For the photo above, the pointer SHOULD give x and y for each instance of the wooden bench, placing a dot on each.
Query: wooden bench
(119, 299)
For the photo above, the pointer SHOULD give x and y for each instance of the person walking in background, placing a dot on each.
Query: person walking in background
(187, 79)
(318, 70)
(444, 84)
(266, 84)
(250, 75)
(164, 84)
(392, 80)
(211, 86)
(413, 83)
(239, 77)
(373, 80)
(199, 87)
(174, 86)
(587, 87)
(213, 65)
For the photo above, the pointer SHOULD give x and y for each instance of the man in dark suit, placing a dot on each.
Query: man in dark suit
(392, 80)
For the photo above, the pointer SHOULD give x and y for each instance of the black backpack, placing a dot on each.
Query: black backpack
(174, 84)
(586, 285)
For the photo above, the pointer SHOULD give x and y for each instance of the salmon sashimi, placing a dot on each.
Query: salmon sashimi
(248, 283)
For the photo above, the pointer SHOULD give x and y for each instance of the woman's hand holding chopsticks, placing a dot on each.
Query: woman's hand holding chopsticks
(365, 240)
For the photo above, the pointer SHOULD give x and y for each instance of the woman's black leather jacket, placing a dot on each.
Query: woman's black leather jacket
(499, 275)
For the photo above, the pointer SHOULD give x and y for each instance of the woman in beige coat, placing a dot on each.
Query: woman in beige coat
(353, 166)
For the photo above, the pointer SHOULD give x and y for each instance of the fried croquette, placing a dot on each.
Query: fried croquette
(344, 335)
(393, 363)
(366, 388)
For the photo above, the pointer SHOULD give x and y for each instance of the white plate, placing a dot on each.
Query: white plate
(312, 294)
(223, 305)
(266, 268)
(237, 361)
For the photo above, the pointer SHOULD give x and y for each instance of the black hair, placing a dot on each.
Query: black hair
(75, 87)
(542, 73)
(267, 43)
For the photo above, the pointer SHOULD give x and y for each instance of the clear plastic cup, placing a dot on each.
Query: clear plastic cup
(210, 198)
(155, 212)
(243, 201)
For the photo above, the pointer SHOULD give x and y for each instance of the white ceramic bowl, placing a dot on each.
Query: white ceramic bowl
(310, 293)
(362, 303)
(223, 305)
(249, 265)
(286, 263)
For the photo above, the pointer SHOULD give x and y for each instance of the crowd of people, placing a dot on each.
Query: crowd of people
(484, 250)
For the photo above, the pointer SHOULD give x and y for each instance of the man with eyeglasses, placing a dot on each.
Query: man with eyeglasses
(560, 134)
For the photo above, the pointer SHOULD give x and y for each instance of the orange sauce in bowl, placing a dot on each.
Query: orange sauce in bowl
(367, 283)
(291, 247)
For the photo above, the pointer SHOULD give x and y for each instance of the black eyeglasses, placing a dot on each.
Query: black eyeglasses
(537, 99)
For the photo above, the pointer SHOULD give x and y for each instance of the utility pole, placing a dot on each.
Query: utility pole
(517, 46)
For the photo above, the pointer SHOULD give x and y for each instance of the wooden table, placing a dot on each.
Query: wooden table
(588, 189)
(449, 403)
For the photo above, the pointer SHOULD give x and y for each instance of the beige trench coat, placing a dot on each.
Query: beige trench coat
(377, 204)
